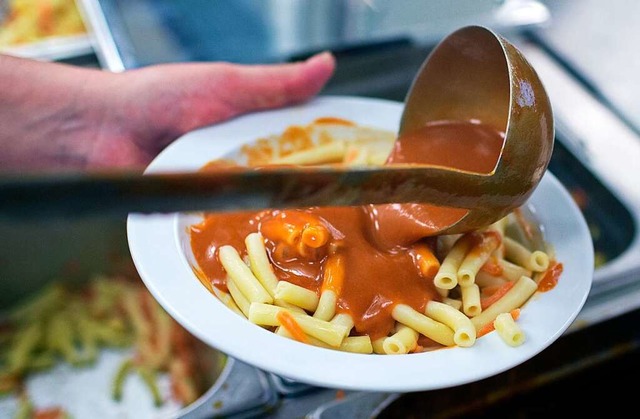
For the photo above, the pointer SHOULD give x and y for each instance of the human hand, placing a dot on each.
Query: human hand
(158, 104)
(87, 119)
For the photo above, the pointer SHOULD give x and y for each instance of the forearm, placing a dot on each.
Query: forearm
(44, 109)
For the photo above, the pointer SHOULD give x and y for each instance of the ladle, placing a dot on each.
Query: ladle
(475, 74)
(472, 74)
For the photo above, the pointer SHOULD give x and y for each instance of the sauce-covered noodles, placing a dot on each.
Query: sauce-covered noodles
(375, 278)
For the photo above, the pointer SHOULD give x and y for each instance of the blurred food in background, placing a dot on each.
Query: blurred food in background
(67, 323)
(28, 21)
(583, 200)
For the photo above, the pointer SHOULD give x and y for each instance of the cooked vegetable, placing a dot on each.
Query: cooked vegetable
(35, 20)
(66, 323)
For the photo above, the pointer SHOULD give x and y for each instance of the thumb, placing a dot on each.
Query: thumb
(228, 90)
(269, 86)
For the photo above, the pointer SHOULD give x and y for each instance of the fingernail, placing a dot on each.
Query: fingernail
(322, 56)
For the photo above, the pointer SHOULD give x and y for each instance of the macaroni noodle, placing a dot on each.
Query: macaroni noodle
(299, 273)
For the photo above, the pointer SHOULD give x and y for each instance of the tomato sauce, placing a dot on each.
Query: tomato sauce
(550, 278)
(375, 241)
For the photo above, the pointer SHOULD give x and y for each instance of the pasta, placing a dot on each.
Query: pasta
(378, 346)
(471, 305)
(427, 262)
(267, 315)
(288, 306)
(319, 277)
(296, 295)
(521, 291)
(327, 153)
(403, 341)
(447, 276)
(239, 298)
(432, 329)
(457, 304)
(357, 344)
(326, 305)
(508, 329)
(343, 320)
(536, 261)
(282, 331)
(487, 280)
(477, 256)
(259, 262)
(511, 271)
(464, 333)
(227, 299)
(331, 284)
(242, 276)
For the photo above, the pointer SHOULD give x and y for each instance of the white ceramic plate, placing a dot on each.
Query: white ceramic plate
(160, 249)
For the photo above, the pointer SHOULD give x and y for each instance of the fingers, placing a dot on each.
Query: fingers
(211, 93)
(261, 87)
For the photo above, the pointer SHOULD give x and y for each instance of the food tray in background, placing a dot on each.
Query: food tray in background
(53, 49)
(47, 30)
(84, 249)
(610, 222)
(100, 341)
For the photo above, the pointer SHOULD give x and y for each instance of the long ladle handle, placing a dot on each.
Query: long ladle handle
(109, 194)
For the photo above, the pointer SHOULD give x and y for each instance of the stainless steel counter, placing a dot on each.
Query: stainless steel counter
(598, 41)
(136, 33)
(610, 149)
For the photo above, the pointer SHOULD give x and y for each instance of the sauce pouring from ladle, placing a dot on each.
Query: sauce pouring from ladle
(472, 145)
(479, 116)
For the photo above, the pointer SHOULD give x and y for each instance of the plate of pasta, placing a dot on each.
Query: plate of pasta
(361, 298)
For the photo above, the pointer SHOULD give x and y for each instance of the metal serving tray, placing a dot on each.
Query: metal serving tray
(52, 48)
(270, 30)
(609, 151)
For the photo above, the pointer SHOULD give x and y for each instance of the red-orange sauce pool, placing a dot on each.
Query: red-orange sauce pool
(376, 242)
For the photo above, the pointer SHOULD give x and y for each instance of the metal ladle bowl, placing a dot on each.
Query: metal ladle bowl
(476, 74)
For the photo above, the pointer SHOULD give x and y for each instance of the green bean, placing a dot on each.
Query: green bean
(6, 334)
(61, 338)
(8, 382)
(118, 382)
(136, 315)
(25, 342)
(160, 356)
(107, 334)
(115, 324)
(60, 323)
(25, 408)
(107, 292)
(88, 338)
(45, 301)
(41, 361)
(149, 377)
